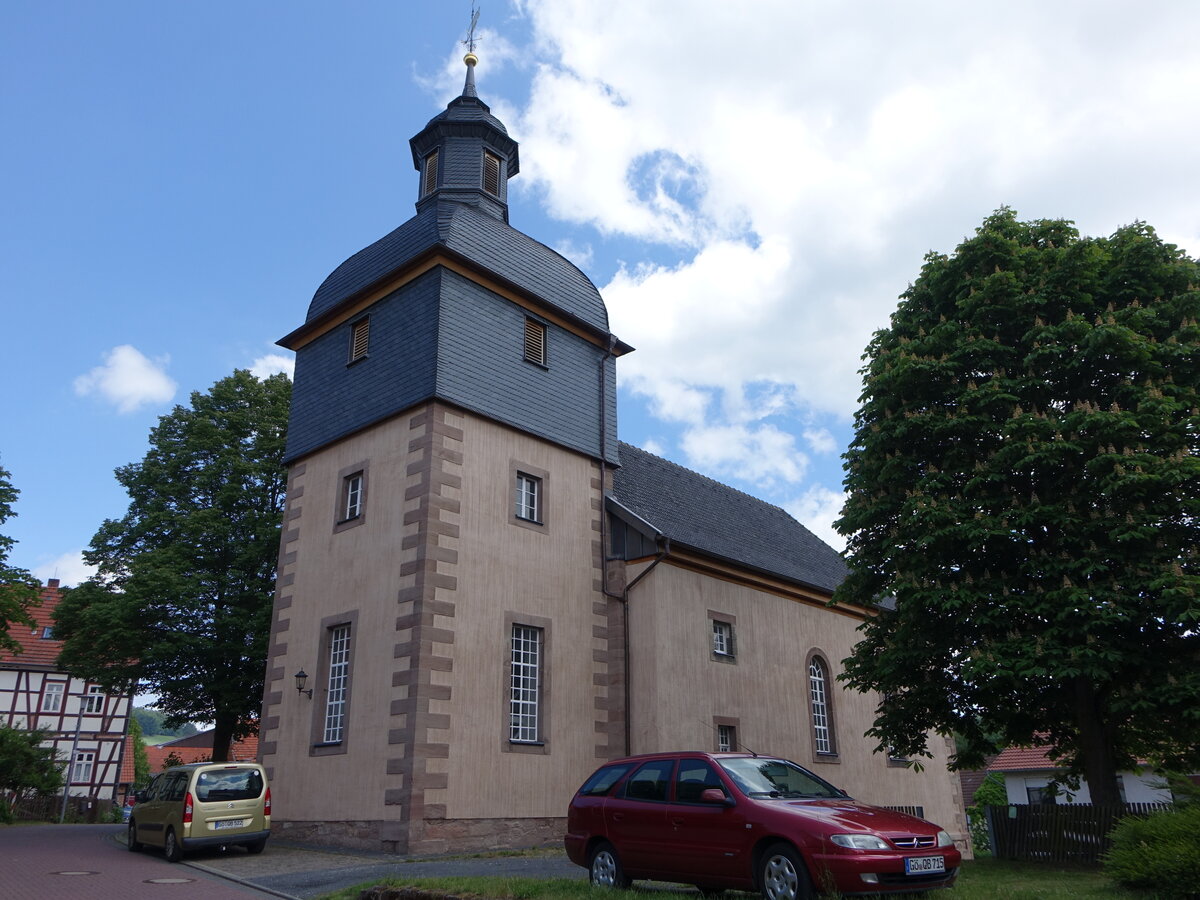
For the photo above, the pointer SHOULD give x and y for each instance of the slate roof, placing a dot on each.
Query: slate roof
(488, 242)
(36, 651)
(705, 515)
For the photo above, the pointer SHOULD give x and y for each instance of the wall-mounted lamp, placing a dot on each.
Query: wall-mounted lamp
(302, 677)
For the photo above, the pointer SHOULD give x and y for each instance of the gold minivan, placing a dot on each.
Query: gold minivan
(203, 804)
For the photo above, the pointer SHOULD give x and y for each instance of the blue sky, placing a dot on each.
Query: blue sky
(750, 188)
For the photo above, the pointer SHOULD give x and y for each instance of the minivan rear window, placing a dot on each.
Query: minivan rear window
(603, 779)
(229, 784)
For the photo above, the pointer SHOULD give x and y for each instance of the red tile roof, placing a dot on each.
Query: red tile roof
(36, 651)
(198, 748)
(1019, 759)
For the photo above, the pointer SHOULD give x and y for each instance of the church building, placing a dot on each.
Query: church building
(482, 593)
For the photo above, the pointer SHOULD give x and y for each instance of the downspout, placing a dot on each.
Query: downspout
(664, 545)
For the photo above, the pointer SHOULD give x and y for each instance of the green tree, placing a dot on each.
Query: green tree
(18, 589)
(181, 603)
(141, 761)
(26, 767)
(1024, 497)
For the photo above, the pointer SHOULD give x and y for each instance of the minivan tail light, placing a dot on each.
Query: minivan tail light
(267, 803)
(187, 808)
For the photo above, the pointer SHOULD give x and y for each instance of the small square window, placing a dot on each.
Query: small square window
(535, 342)
(722, 638)
(360, 333)
(352, 496)
(48, 633)
(528, 497)
(726, 738)
(93, 702)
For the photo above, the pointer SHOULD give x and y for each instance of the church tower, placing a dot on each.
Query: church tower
(441, 585)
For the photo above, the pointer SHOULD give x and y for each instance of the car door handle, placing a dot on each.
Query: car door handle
(677, 822)
(617, 817)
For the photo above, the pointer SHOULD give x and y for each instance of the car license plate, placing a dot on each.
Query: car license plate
(228, 823)
(924, 865)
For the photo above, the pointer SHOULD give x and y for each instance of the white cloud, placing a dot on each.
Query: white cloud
(272, 363)
(69, 569)
(818, 508)
(787, 165)
(764, 456)
(128, 380)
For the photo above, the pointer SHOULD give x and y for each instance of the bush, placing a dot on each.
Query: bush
(1160, 852)
(990, 793)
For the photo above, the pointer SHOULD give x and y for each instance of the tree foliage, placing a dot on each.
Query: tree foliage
(181, 603)
(1024, 483)
(153, 722)
(18, 589)
(141, 760)
(26, 767)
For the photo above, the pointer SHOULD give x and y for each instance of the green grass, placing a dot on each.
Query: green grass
(981, 879)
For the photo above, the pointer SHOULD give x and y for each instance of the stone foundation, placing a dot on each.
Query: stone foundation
(431, 837)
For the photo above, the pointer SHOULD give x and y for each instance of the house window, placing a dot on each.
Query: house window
(429, 176)
(360, 334)
(52, 696)
(529, 497)
(722, 638)
(81, 771)
(726, 738)
(525, 681)
(535, 341)
(819, 706)
(352, 496)
(48, 633)
(1039, 796)
(491, 173)
(93, 701)
(338, 684)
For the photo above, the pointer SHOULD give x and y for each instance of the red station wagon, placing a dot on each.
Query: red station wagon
(746, 822)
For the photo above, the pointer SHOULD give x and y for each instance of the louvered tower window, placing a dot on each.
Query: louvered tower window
(360, 333)
(491, 173)
(429, 176)
(535, 341)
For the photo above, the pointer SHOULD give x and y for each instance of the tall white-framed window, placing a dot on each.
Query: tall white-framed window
(93, 700)
(525, 682)
(52, 696)
(818, 687)
(528, 497)
(338, 684)
(726, 738)
(352, 496)
(722, 638)
(81, 769)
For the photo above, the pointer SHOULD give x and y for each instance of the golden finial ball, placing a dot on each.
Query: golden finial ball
(470, 59)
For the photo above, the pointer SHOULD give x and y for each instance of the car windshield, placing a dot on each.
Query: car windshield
(761, 777)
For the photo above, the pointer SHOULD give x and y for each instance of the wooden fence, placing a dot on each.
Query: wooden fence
(1068, 832)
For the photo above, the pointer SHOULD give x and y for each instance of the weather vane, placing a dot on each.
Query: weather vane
(470, 41)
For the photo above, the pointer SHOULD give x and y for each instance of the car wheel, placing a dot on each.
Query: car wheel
(133, 843)
(171, 847)
(605, 868)
(781, 874)
(256, 846)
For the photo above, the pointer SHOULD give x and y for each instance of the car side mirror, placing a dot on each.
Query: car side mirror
(139, 796)
(715, 796)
